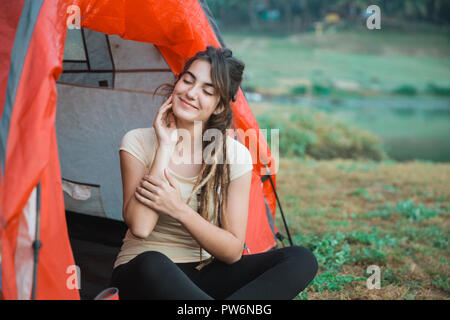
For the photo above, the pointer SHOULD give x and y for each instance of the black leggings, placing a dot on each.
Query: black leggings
(277, 274)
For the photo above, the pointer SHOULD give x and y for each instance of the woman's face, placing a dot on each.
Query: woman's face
(194, 96)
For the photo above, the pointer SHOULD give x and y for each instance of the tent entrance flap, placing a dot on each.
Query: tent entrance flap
(95, 244)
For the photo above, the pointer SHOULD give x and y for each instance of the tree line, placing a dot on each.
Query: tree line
(299, 15)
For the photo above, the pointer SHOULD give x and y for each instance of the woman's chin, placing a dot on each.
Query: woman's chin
(184, 115)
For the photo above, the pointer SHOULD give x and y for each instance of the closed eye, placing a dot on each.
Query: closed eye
(205, 91)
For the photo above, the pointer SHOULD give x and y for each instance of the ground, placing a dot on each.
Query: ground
(353, 214)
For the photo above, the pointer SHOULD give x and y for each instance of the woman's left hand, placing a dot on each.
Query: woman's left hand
(161, 195)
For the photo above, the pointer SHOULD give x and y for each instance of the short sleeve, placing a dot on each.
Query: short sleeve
(239, 158)
(140, 143)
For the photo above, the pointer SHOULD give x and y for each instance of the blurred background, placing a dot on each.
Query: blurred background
(364, 119)
(394, 82)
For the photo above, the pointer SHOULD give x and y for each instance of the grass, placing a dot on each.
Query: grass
(353, 214)
(395, 62)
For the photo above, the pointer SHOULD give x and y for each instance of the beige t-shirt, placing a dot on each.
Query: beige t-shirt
(169, 236)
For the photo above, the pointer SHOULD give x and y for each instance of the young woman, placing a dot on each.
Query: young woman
(186, 209)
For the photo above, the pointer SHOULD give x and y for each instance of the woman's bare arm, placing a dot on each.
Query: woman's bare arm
(139, 218)
(225, 243)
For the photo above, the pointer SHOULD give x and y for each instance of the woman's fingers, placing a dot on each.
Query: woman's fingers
(162, 111)
(171, 181)
(145, 201)
(169, 100)
(167, 117)
(165, 124)
(148, 190)
(145, 193)
(148, 186)
(172, 122)
(167, 104)
(157, 182)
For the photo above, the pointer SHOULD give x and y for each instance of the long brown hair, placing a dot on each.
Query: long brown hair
(211, 187)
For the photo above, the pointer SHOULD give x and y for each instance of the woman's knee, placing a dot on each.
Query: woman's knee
(144, 277)
(304, 257)
(151, 262)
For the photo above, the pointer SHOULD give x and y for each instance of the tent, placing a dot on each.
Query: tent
(67, 96)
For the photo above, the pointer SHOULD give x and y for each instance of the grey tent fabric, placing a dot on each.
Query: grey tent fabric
(89, 59)
(100, 98)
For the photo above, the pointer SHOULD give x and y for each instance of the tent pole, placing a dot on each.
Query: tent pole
(279, 205)
(37, 242)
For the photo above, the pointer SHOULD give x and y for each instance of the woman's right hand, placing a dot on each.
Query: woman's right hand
(166, 132)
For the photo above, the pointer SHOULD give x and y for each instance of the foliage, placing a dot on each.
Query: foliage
(321, 136)
(372, 238)
(415, 213)
(333, 282)
(406, 208)
(441, 282)
(406, 90)
(431, 235)
(384, 212)
(433, 88)
(331, 250)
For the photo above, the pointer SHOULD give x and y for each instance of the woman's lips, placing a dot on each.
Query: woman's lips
(187, 104)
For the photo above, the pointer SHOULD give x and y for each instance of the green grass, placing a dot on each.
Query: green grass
(405, 208)
(382, 61)
(417, 212)
(393, 215)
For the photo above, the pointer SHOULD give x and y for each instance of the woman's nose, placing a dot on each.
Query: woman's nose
(192, 93)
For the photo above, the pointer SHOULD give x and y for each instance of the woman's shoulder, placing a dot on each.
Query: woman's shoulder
(236, 148)
(141, 143)
(143, 136)
(148, 133)
(239, 158)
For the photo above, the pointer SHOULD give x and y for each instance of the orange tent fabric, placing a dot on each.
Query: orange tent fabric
(30, 156)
